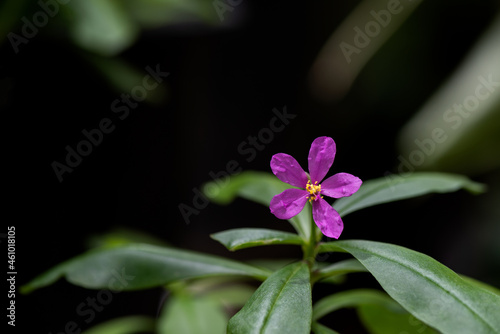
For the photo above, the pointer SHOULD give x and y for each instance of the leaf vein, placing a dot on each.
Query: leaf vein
(467, 306)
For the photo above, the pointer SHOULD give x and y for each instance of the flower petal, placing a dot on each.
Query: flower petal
(327, 219)
(289, 203)
(321, 156)
(288, 170)
(340, 185)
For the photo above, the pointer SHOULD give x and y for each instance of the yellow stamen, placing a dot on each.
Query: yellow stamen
(313, 189)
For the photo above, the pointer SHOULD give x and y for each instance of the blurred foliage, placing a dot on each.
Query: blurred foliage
(353, 44)
(466, 110)
(104, 27)
(102, 30)
(122, 236)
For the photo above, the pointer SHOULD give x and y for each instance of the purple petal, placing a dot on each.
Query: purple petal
(321, 157)
(327, 219)
(288, 170)
(289, 203)
(340, 185)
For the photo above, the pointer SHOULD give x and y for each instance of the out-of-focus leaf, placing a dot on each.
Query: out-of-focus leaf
(398, 187)
(251, 237)
(271, 264)
(228, 291)
(354, 43)
(351, 298)
(123, 78)
(103, 27)
(233, 295)
(258, 187)
(318, 328)
(427, 289)
(125, 325)
(10, 15)
(138, 266)
(458, 129)
(282, 304)
(382, 320)
(392, 318)
(340, 268)
(122, 236)
(481, 285)
(191, 315)
(156, 13)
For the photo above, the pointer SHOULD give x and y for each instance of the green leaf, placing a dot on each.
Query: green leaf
(383, 320)
(125, 325)
(255, 186)
(397, 187)
(282, 304)
(427, 289)
(447, 132)
(191, 315)
(258, 187)
(349, 298)
(11, 11)
(226, 290)
(335, 69)
(103, 27)
(392, 317)
(122, 236)
(318, 328)
(154, 14)
(250, 237)
(231, 296)
(481, 285)
(271, 264)
(339, 268)
(140, 266)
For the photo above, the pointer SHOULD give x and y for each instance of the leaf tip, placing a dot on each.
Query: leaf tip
(476, 188)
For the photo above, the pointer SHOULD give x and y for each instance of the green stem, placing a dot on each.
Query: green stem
(311, 248)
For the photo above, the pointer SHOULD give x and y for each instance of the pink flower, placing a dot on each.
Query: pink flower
(291, 201)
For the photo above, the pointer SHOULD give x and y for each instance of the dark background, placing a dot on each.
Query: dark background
(223, 85)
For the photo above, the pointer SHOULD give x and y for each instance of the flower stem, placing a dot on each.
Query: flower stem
(310, 249)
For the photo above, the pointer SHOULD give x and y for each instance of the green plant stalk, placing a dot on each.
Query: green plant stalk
(311, 248)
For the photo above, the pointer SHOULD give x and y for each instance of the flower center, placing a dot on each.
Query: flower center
(314, 190)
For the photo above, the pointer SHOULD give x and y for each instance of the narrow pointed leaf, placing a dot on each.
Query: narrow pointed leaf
(351, 298)
(398, 187)
(282, 304)
(340, 268)
(231, 296)
(469, 137)
(187, 314)
(379, 312)
(103, 27)
(383, 320)
(250, 237)
(337, 66)
(272, 264)
(125, 325)
(427, 289)
(140, 266)
(481, 285)
(318, 328)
